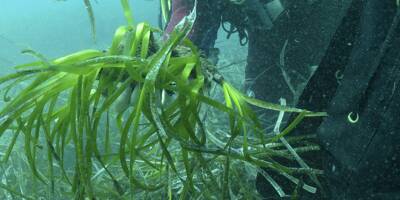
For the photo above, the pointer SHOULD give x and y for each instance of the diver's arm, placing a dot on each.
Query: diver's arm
(180, 8)
(207, 23)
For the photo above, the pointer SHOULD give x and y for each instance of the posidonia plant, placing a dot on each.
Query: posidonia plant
(78, 147)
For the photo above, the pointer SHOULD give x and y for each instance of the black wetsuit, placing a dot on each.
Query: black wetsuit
(357, 84)
(362, 156)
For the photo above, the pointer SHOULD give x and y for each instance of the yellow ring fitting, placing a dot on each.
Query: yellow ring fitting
(351, 118)
(339, 75)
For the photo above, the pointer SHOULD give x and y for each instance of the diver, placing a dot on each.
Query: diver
(356, 81)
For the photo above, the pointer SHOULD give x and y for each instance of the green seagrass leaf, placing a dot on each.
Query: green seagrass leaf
(127, 12)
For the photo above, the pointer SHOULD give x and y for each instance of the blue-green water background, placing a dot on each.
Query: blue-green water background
(55, 28)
